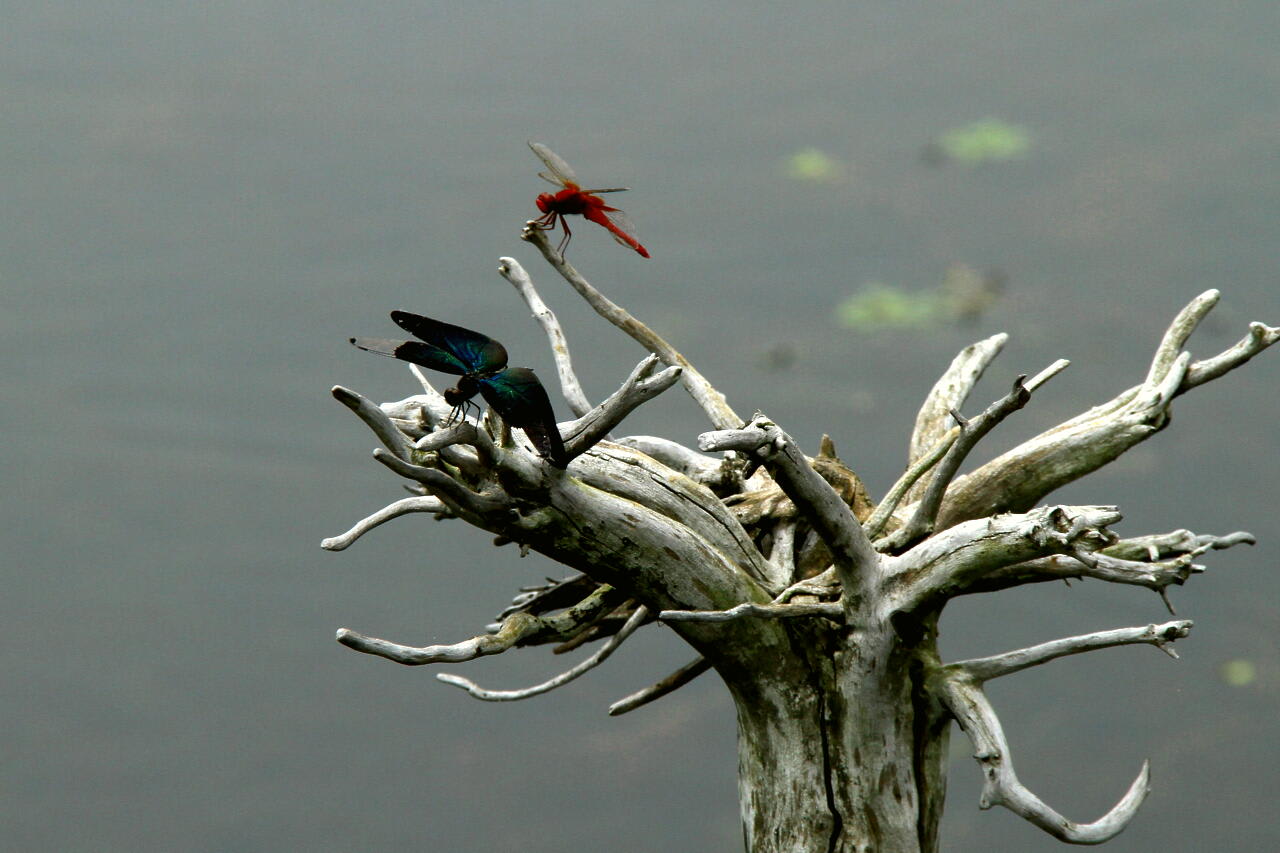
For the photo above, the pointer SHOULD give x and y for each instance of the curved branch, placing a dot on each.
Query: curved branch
(569, 386)
(455, 495)
(375, 418)
(401, 507)
(966, 700)
(712, 401)
(637, 619)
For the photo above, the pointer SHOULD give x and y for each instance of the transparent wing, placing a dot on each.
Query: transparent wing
(560, 173)
(415, 352)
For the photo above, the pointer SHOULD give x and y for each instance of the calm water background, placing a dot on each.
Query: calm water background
(203, 202)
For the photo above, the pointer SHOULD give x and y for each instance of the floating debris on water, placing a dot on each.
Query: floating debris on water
(987, 141)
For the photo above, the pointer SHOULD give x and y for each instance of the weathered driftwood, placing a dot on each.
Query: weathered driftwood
(816, 608)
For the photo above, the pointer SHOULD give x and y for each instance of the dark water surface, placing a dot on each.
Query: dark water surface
(203, 202)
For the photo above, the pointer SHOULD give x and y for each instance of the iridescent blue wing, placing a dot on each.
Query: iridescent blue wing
(519, 397)
(470, 351)
(415, 352)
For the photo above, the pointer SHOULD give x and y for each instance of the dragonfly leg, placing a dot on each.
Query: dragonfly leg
(564, 241)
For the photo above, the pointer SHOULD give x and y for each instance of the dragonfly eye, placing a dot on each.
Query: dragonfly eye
(454, 397)
(544, 202)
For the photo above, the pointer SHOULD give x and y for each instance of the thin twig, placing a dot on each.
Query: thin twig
(644, 383)
(657, 690)
(924, 520)
(948, 393)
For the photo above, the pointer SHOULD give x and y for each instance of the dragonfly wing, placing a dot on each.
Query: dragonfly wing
(558, 167)
(471, 351)
(551, 179)
(518, 396)
(415, 352)
(619, 226)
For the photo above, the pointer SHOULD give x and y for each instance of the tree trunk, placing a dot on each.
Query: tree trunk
(839, 746)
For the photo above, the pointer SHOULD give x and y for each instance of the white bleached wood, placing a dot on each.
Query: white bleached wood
(401, 507)
(569, 386)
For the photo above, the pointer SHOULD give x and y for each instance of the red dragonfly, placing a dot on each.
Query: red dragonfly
(572, 199)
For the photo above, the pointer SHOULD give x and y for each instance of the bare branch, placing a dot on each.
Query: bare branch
(670, 684)
(637, 619)
(764, 611)
(712, 401)
(455, 495)
(950, 562)
(855, 560)
(1259, 338)
(948, 393)
(514, 628)
(885, 509)
(973, 711)
(375, 418)
(1130, 561)
(395, 510)
(1022, 477)
(641, 386)
(512, 271)
(984, 669)
(707, 470)
(924, 519)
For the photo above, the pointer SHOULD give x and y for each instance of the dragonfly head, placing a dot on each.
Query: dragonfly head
(544, 202)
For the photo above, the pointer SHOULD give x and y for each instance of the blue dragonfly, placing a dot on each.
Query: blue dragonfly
(480, 362)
